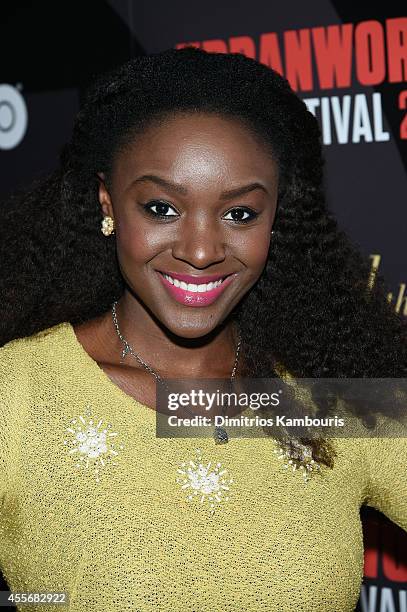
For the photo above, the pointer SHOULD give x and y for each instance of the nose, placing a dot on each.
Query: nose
(200, 244)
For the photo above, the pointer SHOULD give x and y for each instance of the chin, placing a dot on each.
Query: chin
(193, 327)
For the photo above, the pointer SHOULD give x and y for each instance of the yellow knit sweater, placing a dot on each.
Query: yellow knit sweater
(103, 515)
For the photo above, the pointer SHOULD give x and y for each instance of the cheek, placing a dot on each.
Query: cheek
(254, 247)
(134, 246)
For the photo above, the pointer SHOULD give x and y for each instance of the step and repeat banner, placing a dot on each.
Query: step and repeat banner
(346, 60)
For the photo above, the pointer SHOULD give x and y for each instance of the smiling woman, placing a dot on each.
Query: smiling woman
(200, 210)
(185, 235)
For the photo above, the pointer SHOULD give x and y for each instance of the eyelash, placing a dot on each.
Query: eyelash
(148, 208)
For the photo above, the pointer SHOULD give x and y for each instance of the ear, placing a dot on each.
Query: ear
(104, 196)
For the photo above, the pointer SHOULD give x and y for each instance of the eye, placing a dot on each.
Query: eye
(161, 209)
(239, 212)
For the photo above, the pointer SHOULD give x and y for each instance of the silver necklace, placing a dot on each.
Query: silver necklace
(220, 434)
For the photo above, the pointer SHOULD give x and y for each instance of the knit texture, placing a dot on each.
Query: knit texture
(126, 537)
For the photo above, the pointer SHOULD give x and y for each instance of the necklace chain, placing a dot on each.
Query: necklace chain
(220, 434)
(129, 349)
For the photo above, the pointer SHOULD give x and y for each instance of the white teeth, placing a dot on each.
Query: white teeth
(191, 286)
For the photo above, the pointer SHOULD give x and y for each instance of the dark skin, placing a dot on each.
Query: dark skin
(207, 156)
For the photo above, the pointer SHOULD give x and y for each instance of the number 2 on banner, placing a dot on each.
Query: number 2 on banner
(402, 106)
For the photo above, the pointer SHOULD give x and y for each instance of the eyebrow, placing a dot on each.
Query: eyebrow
(225, 195)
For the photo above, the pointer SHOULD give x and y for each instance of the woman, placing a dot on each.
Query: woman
(185, 168)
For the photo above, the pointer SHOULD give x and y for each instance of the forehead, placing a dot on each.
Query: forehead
(195, 146)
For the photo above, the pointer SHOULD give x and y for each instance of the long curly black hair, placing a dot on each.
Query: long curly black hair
(312, 309)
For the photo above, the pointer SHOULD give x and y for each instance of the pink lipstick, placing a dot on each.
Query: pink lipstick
(195, 291)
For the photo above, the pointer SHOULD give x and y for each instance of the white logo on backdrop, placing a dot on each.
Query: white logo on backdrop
(13, 117)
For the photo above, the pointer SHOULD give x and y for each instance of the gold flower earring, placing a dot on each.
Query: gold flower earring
(107, 226)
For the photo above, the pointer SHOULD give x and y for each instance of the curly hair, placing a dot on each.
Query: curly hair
(311, 310)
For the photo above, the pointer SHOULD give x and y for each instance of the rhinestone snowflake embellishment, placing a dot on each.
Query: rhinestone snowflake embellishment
(91, 442)
(208, 483)
(297, 456)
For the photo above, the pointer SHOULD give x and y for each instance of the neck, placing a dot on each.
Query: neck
(209, 356)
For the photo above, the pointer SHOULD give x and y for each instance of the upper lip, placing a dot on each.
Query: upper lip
(188, 278)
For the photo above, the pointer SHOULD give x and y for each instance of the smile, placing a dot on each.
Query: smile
(195, 294)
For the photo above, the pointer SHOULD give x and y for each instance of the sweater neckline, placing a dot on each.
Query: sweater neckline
(100, 375)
